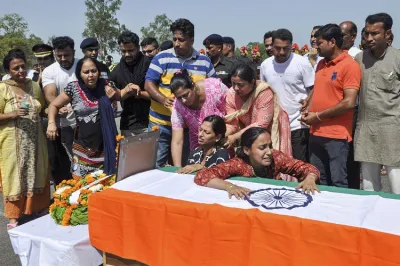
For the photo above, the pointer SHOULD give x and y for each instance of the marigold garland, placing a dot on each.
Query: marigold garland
(63, 212)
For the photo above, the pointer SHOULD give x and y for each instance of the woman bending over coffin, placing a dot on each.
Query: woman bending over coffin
(257, 158)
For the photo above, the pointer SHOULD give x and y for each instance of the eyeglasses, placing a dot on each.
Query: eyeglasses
(93, 71)
(312, 36)
(148, 51)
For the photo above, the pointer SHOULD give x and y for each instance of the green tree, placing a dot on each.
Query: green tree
(14, 34)
(50, 40)
(13, 24)
(102, 23)
(158, 29)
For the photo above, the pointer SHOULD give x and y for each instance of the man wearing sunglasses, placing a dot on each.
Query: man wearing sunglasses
(149, 47)
(90, 48)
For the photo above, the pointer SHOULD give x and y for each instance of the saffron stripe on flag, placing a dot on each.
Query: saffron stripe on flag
(165, 219)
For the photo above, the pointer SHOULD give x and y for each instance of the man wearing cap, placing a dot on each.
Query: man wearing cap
(223, 66)
(45, 57)
(90, 48)
(228, 50)
(166, 45)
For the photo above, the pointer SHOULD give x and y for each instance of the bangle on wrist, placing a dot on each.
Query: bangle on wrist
(229, 186)
(318, 116)
(51, 122)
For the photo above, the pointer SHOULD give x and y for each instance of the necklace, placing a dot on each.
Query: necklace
(85, 98)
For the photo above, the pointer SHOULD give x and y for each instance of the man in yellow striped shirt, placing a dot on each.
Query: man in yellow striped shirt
(159, 75)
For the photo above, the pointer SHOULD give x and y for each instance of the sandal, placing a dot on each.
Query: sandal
(12, 226)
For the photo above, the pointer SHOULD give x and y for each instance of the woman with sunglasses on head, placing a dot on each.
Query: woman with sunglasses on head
(194, 102)
(256, 157)
(23, 151)
(210, 151)
(94, 143)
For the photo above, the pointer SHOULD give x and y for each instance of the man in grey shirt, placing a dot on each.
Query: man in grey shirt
(378, 126)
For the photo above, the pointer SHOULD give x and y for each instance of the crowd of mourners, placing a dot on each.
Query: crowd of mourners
(328, 115)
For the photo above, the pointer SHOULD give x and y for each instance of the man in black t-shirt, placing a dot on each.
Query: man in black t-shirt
(130, 73)
(90, 48)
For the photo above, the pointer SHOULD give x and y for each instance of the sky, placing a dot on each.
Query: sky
(46, 18)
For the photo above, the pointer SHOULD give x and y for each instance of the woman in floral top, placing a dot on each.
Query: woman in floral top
(257, 158)
(87, 98)
(194, 102)
(209, 153)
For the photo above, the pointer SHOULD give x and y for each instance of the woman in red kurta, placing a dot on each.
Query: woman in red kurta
(257, 158)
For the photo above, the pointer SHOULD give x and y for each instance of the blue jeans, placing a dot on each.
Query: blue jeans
(164, 145)
(330, 157)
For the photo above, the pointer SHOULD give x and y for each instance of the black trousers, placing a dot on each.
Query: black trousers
(330, 157)
(353, 167)
(60, 163)
(300, 138)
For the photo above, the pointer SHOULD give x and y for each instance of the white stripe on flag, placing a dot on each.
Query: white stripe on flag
(370, 212)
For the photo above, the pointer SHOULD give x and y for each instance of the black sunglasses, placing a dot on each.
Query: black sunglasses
(148, 51)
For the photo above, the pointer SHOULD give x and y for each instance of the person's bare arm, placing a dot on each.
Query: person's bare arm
(58, 103)
(348, 103)
(177, 146)
(50, 92)
(4, 118)
(305, 103)
(155, 94)
(145, 95)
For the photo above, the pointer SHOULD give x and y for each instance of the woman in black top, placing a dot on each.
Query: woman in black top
(210, 151)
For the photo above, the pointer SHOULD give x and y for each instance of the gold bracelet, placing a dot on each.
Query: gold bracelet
(52, 122)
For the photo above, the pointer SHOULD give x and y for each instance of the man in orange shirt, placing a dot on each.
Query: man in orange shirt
(330, 114)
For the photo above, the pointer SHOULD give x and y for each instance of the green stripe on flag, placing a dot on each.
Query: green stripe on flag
(274, 182)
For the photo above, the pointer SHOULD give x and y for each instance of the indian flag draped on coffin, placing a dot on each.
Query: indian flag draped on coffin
(162, 218)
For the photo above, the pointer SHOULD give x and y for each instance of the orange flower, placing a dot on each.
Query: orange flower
(155, 128)
(119, 138)
(89, 179)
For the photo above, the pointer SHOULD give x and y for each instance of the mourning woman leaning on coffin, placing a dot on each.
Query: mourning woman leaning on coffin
(257, 158)
(210, 151)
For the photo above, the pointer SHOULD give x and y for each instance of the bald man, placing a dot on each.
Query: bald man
(349, 30)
